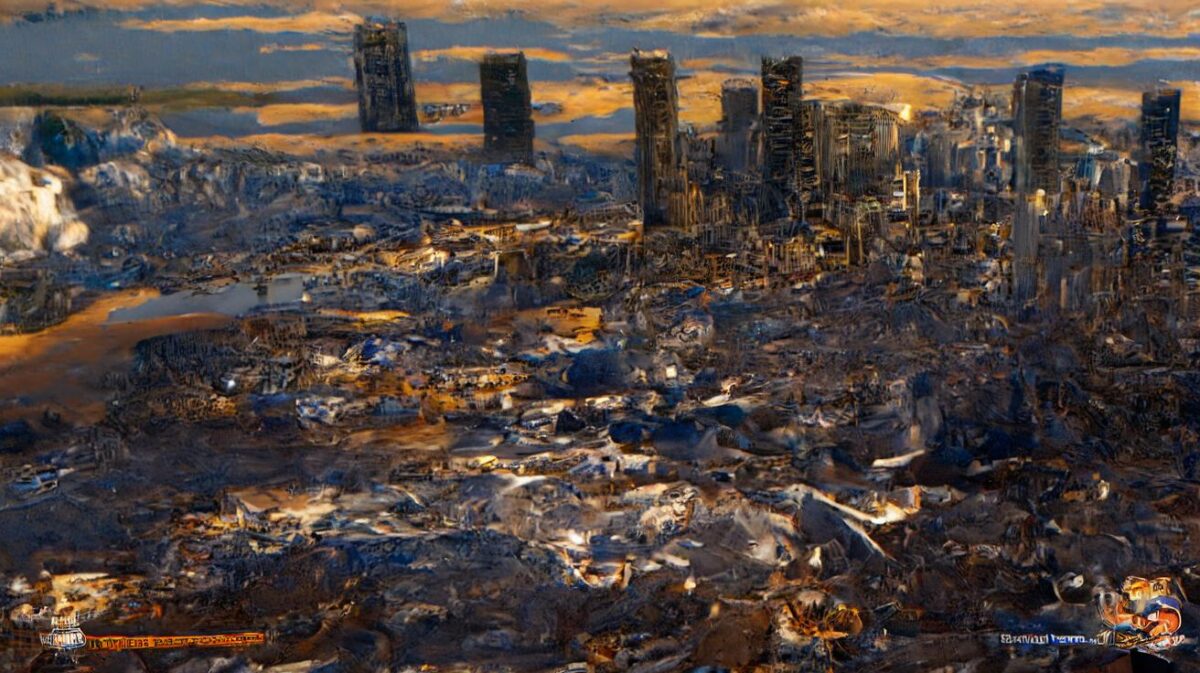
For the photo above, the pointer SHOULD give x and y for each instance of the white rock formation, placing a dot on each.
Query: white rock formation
(35, 214)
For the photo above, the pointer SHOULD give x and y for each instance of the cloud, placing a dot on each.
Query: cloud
(1122, 103)
(307, 144)
(275, 87)
(579, 98)
(1109, 56)
(310, 22)
(618, 144)
(477, 53)
(280, 114)
(274, 48)
(944, 18)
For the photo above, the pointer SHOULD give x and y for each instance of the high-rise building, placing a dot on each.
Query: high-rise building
(1026, 236)
(739, 112)
(782, 133)
(661, 180)
(811, 143)
(383, 74)
(1160, 145)
(507, 107)
(1037, 113)
(860, 149)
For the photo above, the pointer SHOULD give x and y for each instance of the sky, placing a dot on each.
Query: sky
(900, 52)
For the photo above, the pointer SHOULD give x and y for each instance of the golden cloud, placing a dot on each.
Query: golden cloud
(274, 87)
(279, 114)
(1121, 103)
(581, 97)
(945, 18)
(285, 48)
(618, 144)
(708, 63)
(477, 54)
(310, 22)
(308, 144)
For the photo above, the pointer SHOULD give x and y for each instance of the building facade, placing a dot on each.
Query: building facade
(1037, 114)
(1159, 147)
(782, 133)
(507, 107)
(383, 75)
(739, 117)
(661, 180)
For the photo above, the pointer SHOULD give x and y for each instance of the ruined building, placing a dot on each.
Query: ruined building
(1029, 212)
(1037, 113)
(1159, 147)
(860, 149)
(661, 180)
(383, 75)
(811, 189)
(783, 133)
(507, 108)
(739, 112)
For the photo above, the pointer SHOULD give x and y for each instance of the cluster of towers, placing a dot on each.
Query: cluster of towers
(1045, 223)
(784, 156)
(387, 101)
(798, 154)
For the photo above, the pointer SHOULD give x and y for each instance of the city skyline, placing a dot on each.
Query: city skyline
(303, 85)
(556, 336)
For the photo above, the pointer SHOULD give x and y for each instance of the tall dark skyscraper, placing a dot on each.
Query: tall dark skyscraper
(507, 110)
(739, 112)
(782, 132)
(383, 73)
(1160, 145)
(656, 115)
(1037, 113)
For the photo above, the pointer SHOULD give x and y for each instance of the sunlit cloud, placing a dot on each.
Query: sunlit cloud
(311, 144)
(618, 144)
(477, 53)
(310, 22)
(274, 48)
(1097, 57)
(281, 114)
(275, 87)
(947, 18)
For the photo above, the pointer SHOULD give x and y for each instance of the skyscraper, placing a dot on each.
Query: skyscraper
(1029, 211)
(783, 132)
(507, 109)
(1037, 113)
(1160, 144)
(860, 150)
(656, 116)
(383, 74)
(739, 112)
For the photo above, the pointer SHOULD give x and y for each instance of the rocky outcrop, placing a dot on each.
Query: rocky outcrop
(65, 139)
(35, 214)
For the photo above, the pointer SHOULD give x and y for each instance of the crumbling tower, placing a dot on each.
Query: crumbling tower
(507, 107)
(1037, 114)
(783, 133)
(383, 75)
(661, 181)
(739, 112)
(1160, 145)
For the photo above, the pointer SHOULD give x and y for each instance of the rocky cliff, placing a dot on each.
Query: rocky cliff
(35, 214)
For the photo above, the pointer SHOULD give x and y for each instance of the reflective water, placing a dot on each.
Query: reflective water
(232, 300)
